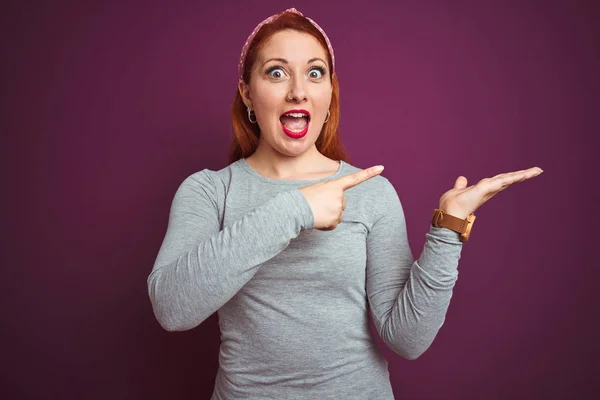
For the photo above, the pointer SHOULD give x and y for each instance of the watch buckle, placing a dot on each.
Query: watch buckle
(437, 217)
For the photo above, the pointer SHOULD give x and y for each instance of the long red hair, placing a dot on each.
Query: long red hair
(246, 134)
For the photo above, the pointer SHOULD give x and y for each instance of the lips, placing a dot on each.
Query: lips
(295, 123)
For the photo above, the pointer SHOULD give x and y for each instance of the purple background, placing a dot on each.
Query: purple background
(106, 108)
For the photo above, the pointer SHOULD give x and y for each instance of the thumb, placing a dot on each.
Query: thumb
(461, 183)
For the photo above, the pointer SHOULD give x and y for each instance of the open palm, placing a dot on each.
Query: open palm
(460, 201)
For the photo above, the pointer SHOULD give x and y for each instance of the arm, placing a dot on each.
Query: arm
(408, 298)
(200, 267)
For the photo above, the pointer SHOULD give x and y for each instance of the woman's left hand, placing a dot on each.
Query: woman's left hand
(461, 200)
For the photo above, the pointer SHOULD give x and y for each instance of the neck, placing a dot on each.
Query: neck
(272, 164)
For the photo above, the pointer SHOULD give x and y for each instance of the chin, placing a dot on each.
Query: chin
(293, 147)
(294, 151)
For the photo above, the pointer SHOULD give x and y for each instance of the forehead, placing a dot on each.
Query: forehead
(293, 46)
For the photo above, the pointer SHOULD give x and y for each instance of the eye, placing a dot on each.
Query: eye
(275, 72)
(316, 72)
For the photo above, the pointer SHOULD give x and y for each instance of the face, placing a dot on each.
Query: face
(290, 73)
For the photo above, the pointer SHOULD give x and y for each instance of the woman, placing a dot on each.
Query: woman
(293, 246)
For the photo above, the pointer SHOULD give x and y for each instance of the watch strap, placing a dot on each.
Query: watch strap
(451, 222)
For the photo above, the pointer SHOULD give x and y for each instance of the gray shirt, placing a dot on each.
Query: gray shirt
(293, 302)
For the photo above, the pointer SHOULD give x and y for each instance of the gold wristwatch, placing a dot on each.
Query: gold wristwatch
(462, 226)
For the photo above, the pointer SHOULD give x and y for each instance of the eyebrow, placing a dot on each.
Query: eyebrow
(284, 61)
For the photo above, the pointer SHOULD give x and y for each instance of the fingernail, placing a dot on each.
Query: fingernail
(379, 168)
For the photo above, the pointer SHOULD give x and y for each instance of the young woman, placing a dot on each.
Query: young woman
(293, 246)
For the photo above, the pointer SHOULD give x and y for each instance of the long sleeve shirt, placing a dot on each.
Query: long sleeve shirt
(293, 302)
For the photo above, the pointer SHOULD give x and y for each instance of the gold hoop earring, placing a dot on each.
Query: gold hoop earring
(250, 115)
(328, 115)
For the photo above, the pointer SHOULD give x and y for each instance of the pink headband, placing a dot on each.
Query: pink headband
(268, 20)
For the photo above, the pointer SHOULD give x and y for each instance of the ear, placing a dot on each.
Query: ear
(245, 93)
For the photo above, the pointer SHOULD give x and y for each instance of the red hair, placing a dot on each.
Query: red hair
(246, 134)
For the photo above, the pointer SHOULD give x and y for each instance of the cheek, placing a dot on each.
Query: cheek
(268, 95)
(323, 95)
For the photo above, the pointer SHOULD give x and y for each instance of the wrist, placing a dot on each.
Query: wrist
(462, 226)
(460, 214)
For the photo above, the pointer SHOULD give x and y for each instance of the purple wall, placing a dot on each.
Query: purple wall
(107, 108)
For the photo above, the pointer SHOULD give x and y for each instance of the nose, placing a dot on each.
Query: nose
(297, 92)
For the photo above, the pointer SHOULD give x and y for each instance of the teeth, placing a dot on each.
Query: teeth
(296, 115)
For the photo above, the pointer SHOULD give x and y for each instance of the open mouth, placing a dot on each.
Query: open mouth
(295, 122)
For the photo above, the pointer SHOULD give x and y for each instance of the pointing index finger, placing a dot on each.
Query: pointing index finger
(349, 181)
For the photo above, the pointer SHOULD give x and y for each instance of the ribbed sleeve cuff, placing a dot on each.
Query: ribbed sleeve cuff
(440, 255)
(445, 235)
(300, 204)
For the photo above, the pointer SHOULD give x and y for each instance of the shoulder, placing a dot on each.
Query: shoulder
(378, 187)
(207, 181)
(375, 198)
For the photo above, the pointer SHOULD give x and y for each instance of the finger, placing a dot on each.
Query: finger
(349, 181)
(461, 183)
(491, 186)
(496, 185)
(325, 228)
(519, 176)
(491, 194)
(344, 202)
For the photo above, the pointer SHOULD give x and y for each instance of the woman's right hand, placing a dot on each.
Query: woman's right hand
(327, 199)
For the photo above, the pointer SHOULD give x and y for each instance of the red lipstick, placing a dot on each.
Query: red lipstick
(296, 135)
